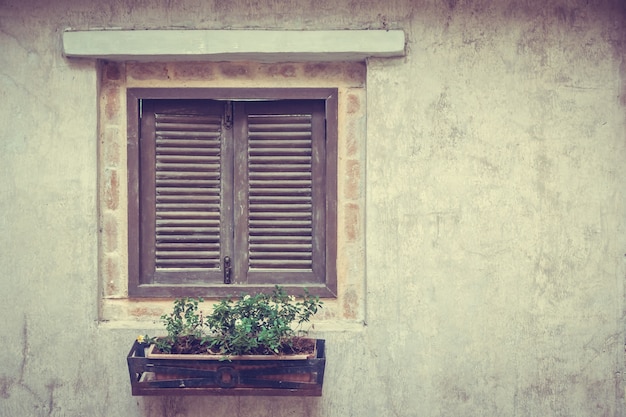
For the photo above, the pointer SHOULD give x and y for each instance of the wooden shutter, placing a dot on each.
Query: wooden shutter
(280, 172)
(254, 181)
(183, 204)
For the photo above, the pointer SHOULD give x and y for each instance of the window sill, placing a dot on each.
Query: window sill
(324, 326)
(233, 45)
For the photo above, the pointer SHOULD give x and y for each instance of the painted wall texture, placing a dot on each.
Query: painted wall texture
(489, 193)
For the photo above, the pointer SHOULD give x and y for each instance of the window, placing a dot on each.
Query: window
(231, 190)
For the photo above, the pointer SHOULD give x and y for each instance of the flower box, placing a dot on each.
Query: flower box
(171, 374)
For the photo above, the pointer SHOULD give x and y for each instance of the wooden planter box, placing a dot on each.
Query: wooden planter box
(164, 374)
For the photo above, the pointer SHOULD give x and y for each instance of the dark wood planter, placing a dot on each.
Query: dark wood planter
(212, 375)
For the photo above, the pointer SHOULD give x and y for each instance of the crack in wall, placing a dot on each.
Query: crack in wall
(8, 384)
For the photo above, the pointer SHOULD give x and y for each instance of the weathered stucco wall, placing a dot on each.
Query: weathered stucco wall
(495, 213)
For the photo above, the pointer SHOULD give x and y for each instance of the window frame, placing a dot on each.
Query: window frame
(139, 289)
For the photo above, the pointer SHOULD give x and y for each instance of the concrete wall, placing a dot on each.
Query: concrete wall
(494, 221)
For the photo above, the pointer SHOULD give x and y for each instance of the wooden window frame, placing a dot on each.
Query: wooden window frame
(138, 286)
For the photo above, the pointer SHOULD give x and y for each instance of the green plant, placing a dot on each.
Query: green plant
(184, 327)
(251, 324)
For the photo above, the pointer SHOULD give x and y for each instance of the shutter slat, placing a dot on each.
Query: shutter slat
(184, 207)
(173, 222)
(260, 256)
(292, 143)
(282, 209)
(279, 158)
(187, 191)
(166, 158)
(187, 119)
(262, 125)
(184, 239)
(190, 196)
(256, 241)
(190, 141)
(279, 120)
(187, 151)
(288, 186)
(276, 199)
(281, 263)
(181, 124)
(173, 166)
(184, 191)
(272, 167)
(295, 180)
(280, 223)
(189, 255)
(278, 229)
(280, 134)
(278, 216)
(278, 247)
(183, 246)
(190, 214)
(174, 263)
(179, 138)
(178, 182)
(186, 175)
(279, 191)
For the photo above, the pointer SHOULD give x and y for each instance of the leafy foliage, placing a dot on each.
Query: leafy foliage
(184, 327)
(257, 324)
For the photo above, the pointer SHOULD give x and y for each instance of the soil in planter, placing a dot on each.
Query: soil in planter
(191, 346)
(187, 345)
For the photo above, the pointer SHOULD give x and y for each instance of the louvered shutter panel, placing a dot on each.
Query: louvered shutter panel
(280, 231)
(183, 200)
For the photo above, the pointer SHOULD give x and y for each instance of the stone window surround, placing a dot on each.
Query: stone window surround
(126, 59)
(116, 309)
(234, 45)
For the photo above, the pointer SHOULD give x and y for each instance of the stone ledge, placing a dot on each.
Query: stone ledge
(319, 327)
(233, 45)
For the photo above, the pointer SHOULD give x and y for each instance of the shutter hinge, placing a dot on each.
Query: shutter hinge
(227, 270)
(140, 109)
(228, 115)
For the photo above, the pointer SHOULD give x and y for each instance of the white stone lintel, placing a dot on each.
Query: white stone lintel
(234, 45)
